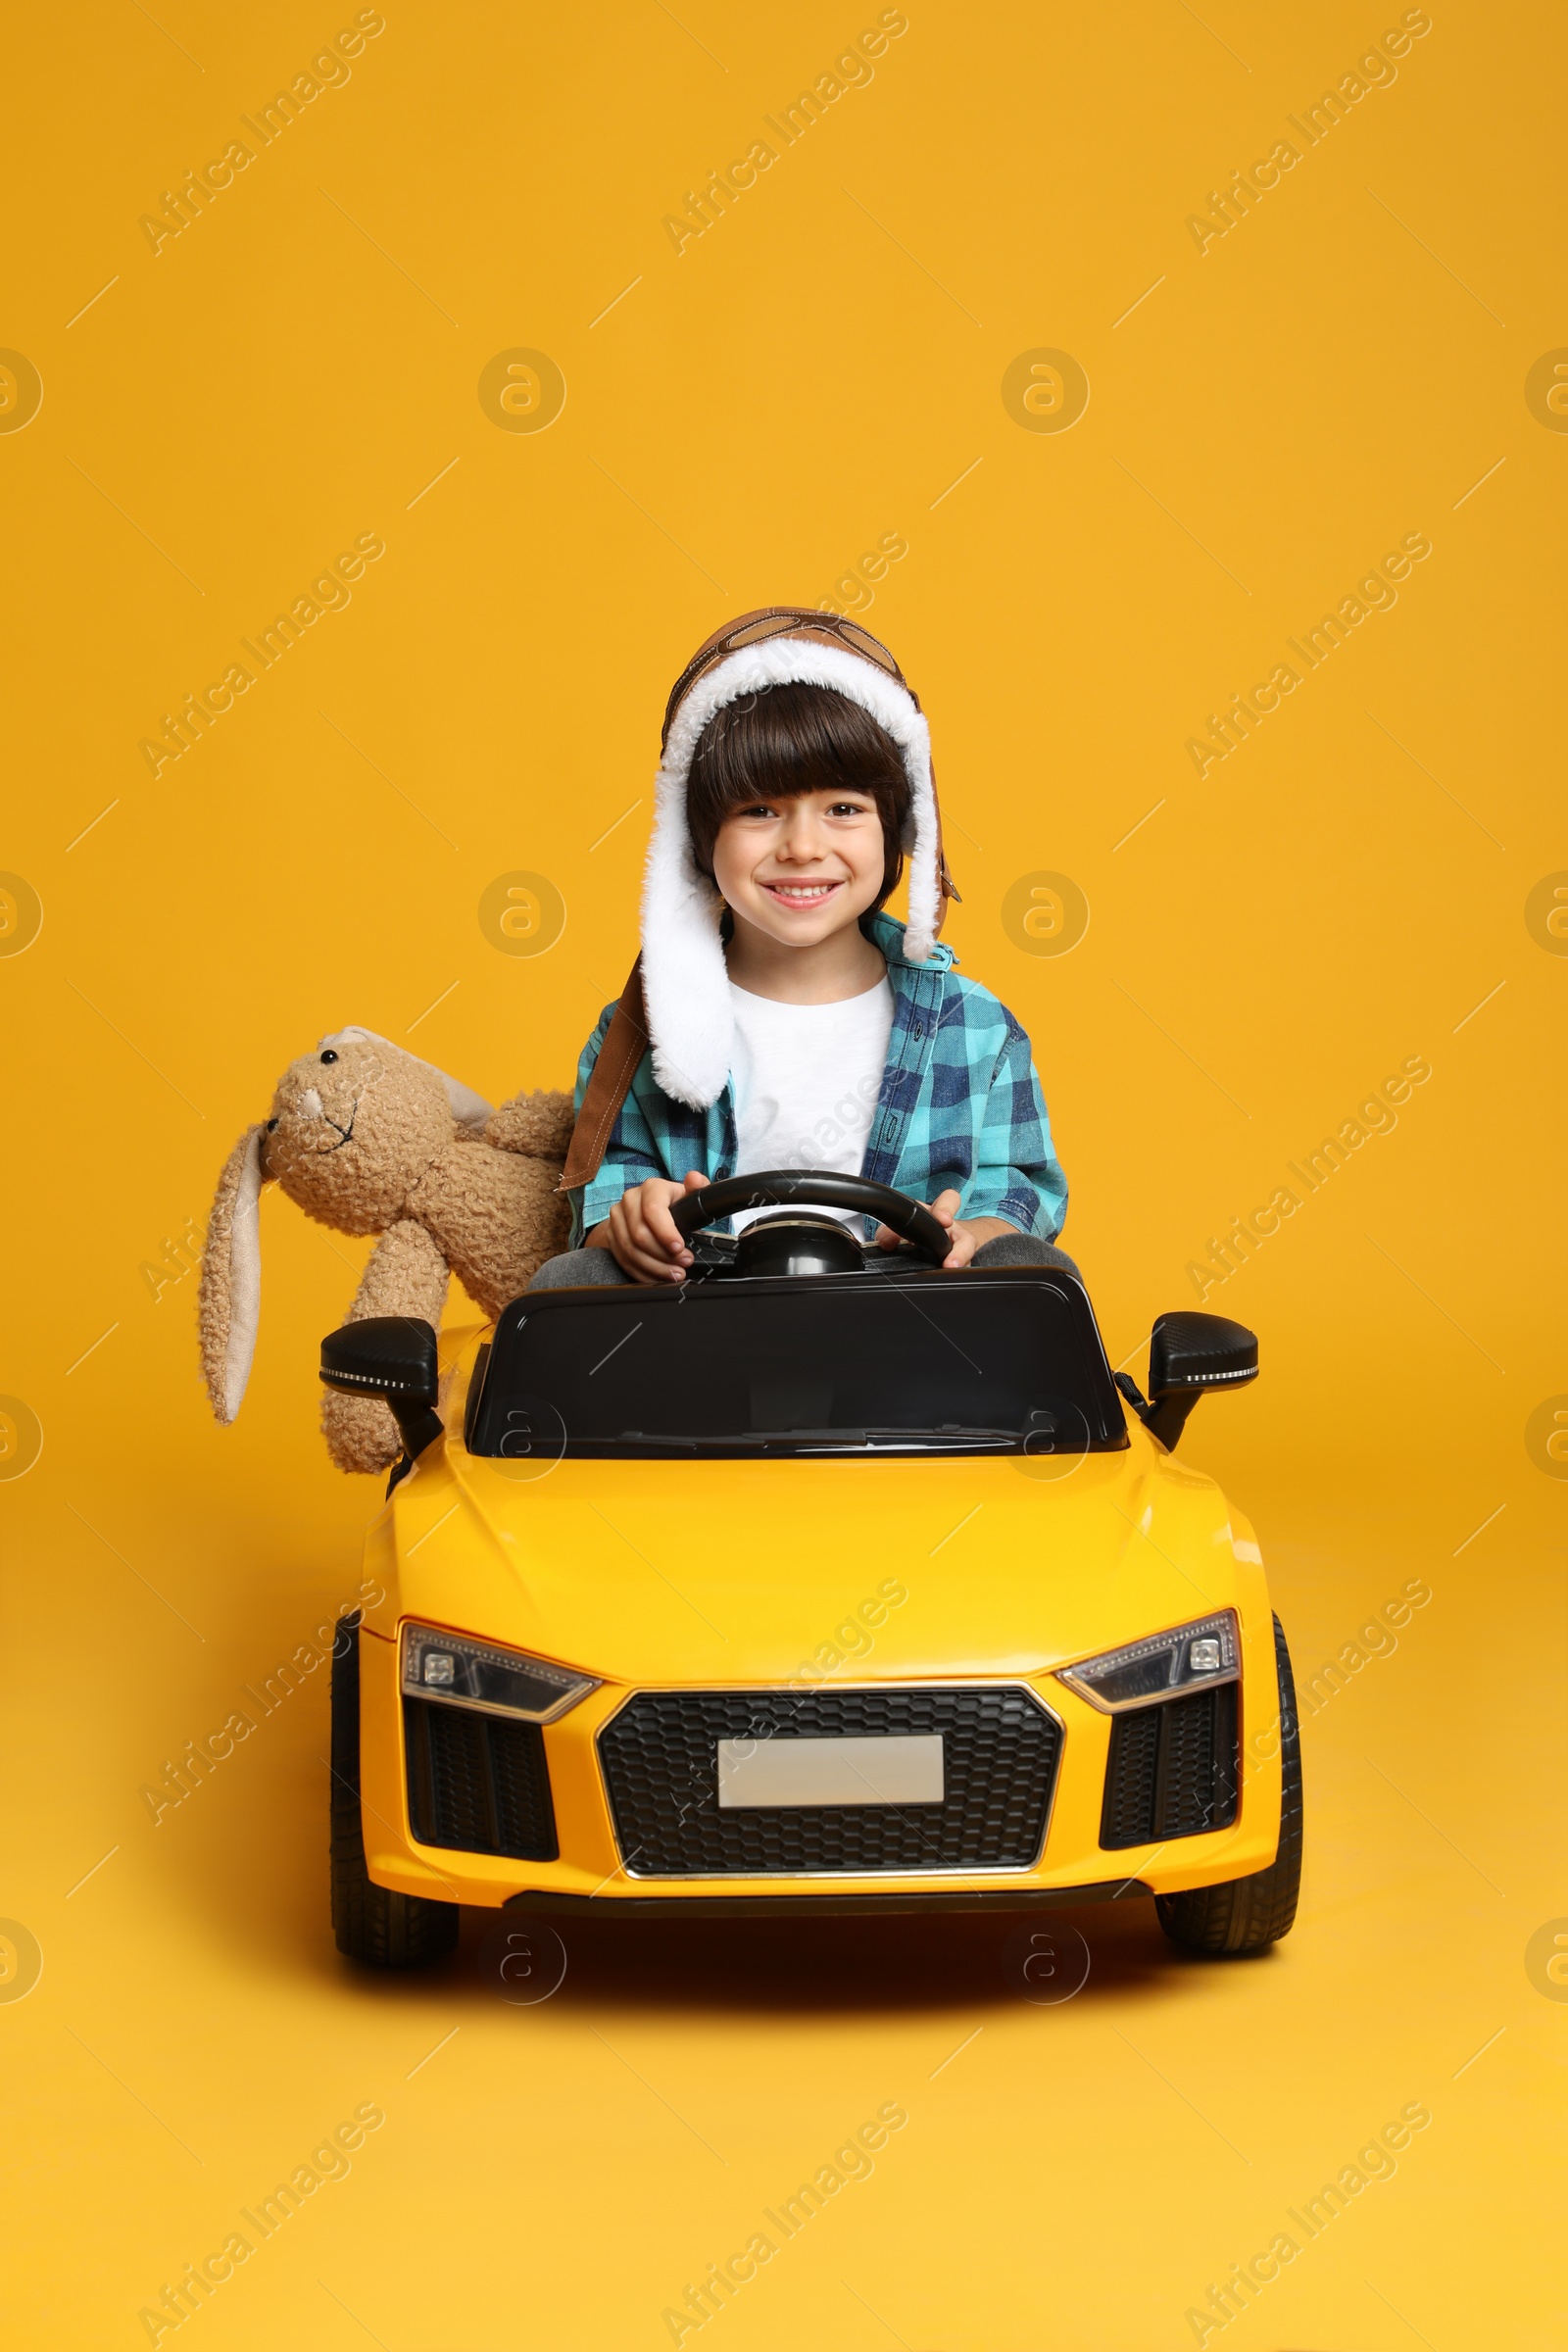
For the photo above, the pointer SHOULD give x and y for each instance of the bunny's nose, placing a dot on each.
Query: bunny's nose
(310, 1104)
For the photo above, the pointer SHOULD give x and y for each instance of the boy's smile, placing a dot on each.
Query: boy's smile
(800, 893)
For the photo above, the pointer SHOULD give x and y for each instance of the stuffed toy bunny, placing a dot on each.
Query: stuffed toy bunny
(366, 1138)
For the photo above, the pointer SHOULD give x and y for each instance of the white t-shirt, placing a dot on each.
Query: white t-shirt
(807, 1081)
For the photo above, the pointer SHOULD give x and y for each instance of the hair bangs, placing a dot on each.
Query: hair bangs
(788, 740)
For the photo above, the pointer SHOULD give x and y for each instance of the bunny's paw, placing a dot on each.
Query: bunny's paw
(539, 1126)
(359, 1432)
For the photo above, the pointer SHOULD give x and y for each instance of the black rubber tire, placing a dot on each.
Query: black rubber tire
(371, 1924)
(1246, 1915)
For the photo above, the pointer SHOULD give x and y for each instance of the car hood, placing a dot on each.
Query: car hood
(739, 1572)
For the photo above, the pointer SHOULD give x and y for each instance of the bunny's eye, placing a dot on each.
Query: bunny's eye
(329, 1058)
(271, 1125)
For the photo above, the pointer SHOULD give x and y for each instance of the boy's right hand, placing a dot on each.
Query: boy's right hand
(641, 1234)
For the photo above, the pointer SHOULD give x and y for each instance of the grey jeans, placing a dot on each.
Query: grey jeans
(576, 1269)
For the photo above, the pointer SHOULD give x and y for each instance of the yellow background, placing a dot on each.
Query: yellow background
(814, 372)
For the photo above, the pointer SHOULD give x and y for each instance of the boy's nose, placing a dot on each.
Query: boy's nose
(802, 841)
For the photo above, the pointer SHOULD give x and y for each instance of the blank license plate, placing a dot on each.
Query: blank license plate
(905, 1770)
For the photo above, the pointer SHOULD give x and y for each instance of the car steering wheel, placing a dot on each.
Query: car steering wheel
(783, 1188)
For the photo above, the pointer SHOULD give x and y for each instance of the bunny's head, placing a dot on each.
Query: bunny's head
(353, 1128)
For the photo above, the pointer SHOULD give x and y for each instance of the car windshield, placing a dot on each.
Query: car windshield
(922, 1363)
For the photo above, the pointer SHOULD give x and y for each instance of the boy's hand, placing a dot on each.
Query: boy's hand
(967, 1236)
(641, 1234)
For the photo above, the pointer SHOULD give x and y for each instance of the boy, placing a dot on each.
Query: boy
(777, 1018)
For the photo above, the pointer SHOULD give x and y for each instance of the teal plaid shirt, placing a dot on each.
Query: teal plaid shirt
(960, 1109)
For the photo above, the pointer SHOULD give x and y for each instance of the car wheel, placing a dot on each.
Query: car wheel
(1248, 1915)
(371, 1924)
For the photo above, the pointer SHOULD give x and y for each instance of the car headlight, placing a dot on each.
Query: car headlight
(1165, 1666)
(461, 1673)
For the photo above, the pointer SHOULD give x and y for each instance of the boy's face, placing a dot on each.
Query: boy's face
(802, 870)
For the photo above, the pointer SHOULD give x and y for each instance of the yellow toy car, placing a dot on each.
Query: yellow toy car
(822, 1582)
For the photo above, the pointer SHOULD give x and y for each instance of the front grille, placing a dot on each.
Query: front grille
(660, 1758)
(1172, 1770)
(478, 1783)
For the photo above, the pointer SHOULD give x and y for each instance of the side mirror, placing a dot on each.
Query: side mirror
(394, 1357)
(1187, 1354)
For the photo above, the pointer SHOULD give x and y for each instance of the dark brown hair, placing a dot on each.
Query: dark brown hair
(793, 739)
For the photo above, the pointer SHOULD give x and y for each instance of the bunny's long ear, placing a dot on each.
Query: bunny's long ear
(469, 1109)
(230, 1301)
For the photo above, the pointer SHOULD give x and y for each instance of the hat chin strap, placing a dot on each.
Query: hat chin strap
(685, 982)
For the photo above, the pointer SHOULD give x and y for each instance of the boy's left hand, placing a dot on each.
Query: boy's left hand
(969, 1235)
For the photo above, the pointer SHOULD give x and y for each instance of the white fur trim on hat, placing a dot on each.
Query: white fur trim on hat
(469, 1109)
(684, 977)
